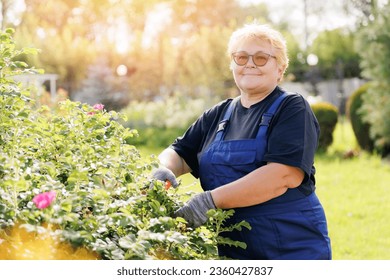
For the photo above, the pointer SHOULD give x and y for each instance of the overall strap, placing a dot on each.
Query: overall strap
(265, 122)
(223, 123)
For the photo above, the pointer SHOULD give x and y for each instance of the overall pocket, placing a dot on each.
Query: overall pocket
(232, 165)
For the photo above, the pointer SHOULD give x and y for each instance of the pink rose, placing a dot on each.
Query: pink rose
(98, 107)
(43, 200)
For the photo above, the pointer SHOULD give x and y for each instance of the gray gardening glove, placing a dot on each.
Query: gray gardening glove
(195, 210)
(164, 174)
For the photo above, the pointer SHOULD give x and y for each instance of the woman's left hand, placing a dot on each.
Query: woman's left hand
(195, 210)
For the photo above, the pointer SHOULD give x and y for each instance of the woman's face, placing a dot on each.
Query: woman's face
(253, 79)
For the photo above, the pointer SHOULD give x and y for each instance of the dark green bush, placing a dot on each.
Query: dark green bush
(327, 115)
(360, 128)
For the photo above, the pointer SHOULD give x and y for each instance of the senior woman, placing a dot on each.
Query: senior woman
(255, 154)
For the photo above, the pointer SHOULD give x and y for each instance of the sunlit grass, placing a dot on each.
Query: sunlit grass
(355, 194)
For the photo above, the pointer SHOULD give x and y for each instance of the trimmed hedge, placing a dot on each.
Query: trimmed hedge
(360, 128)
(327, 116)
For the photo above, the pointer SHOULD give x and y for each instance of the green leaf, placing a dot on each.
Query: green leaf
(127, 241)
(66, 206)
(20, 64)
(29, 51)
(227, 241)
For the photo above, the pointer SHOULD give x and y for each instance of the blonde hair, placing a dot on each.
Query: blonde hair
(262, 32)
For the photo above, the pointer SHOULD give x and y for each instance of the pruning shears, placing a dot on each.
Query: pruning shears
(168, 184)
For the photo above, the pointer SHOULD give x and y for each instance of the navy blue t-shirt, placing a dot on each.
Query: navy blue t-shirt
(292, 135)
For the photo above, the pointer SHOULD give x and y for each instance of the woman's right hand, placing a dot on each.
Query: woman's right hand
(164, 174)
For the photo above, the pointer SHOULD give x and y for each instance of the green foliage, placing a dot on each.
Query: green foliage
(375, 111)
(105, 200)
(216, 219)
(374, 43)
(327, 116)
(337, 56)
(10, 65)
(61, 30)
(360, 128)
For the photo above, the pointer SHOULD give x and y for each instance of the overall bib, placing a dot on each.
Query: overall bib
(291, 226)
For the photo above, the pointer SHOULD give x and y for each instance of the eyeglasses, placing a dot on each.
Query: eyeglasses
(259, 58)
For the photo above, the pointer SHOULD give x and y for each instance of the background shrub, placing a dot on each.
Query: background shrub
(361, 128)
(160, 122)
(327, 116)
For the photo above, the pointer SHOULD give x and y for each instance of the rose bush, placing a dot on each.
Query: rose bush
(76, 179)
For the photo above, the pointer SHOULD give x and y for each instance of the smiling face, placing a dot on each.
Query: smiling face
(257, 80)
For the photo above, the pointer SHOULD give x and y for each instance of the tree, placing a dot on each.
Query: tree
(297, 63)
(186, 50)
(365, 10)
(374, 45)
(62, 33)
(336, 53)
(102, 85)
(168, 44)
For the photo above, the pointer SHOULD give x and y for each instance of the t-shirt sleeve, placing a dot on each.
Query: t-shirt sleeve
(293, 138)
(187, 145)
(197, 136)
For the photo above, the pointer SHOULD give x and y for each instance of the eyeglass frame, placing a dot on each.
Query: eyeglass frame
(251, 55)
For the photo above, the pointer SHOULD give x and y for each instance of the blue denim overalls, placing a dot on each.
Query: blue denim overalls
(291, 226)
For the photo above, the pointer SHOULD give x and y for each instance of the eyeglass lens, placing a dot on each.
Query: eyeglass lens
(259, 58)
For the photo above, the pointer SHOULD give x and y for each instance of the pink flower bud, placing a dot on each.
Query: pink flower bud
(43, 200)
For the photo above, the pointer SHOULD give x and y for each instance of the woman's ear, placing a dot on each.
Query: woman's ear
(281, 70)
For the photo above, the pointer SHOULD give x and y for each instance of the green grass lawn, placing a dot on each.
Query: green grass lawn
(355, 194)
(356, 198)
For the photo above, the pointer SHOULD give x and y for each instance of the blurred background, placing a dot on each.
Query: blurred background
(118, 51)
(164, 62)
